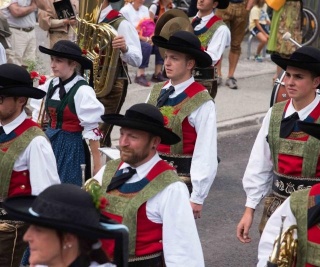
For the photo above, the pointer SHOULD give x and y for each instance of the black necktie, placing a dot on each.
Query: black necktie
(164, 97)
(1, 130)
(60, 85)
(119, 180)
(287, 125)
(195, 22)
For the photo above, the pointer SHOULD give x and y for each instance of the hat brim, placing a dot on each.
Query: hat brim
(82, 60)
(167, 136)
(310, 128)
(22, 91)
(285, 62)
(18, 208)
(203, 59)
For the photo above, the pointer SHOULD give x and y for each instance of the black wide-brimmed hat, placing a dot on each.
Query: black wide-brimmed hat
(223, 4)
(305, 57)
(70, 209)
(16, 81)
(187, 43)
(69, 50)
(310, 128)
(144, 117)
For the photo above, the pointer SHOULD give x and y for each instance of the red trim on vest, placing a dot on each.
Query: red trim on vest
(70, 121)
(292, 165)
(20, 181)
(189, 134)
(149, 234)
(113, 14)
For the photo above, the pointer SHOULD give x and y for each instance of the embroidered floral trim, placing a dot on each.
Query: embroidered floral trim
(97, 132)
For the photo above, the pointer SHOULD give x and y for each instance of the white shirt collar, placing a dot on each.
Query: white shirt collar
(104, 12)
(143, 169)
(303, 113)
(70, 84)
(8, 128)
(206, 18)
(179, 88)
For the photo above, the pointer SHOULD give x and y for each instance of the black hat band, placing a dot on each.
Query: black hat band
(65, 212)
(131, 114)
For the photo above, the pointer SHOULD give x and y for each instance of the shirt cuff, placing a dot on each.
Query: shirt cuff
(94, 134)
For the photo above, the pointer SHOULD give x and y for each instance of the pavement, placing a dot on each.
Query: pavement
(235, 108)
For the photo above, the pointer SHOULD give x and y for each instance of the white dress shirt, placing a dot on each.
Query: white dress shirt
(38, 158)
(204, 162)
(171, 207)
(134, 55)
(219, 41)
(89, 109)
(257, 179)
(272, 230)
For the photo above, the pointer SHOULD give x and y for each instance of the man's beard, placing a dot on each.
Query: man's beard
(131, 157)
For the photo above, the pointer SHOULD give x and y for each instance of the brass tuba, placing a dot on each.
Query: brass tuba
(96, 40)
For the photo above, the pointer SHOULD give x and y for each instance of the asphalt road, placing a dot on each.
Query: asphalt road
(225, 204)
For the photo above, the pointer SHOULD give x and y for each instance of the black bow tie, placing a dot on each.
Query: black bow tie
(1, 130)
(164, 96)
(119, 180)
(195, 22)
(287, 125)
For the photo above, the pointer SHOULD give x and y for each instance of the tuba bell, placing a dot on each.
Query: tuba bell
(96, 40)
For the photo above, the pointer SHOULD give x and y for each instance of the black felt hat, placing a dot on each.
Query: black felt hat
(69, 50)
(68, 208)
(223, 4)
(144, 117)
(187, 43)
(16, 81)
(305, 57)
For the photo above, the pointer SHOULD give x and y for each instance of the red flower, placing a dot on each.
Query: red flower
(84, 52)
(34, 74)
(42, 79)
(165, 120)
(103, 203)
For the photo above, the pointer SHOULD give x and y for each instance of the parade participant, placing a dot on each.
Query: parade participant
(283, 158)
(27, 162)
(302, 210)
(236, 16)
(147, 195)
(190, 113)
(65, 225)
(213, 34)
(73, 110)
(128, 42)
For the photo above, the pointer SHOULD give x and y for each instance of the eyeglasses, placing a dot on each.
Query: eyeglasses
(2, 97)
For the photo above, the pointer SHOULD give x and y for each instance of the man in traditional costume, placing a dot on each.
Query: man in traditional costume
(301, 209)
(27, 162)
(284, 158)
(190, 113)
(213, 34)
(145, 193)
